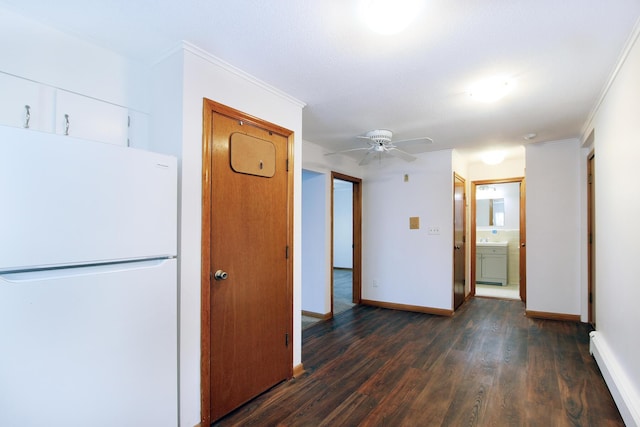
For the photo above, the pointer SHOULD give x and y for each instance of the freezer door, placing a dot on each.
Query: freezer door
(70, 201)
(90, 346)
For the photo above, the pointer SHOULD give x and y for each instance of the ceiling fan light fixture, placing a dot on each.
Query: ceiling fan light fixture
(388, 17)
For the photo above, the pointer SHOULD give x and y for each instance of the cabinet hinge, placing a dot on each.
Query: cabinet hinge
(128, 121)
(287, 165)
(286, 340)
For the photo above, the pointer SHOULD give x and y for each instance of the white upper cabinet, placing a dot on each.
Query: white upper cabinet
(88, 118)
(26, 104)
(138, 130)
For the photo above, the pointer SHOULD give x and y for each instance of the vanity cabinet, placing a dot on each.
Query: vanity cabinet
(491, 264)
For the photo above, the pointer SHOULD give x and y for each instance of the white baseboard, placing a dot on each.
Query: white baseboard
(623, 393)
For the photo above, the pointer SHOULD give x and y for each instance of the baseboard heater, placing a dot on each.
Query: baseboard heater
(623, 393)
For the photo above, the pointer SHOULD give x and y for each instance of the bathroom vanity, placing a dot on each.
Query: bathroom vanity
(491, 263)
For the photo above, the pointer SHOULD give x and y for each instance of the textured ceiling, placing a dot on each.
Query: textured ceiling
(559, 53)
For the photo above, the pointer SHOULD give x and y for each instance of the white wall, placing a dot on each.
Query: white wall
(553, 214)
(409, 266)
(509, 168)
(204, 76)
(616, 129)
(342, 224)
(315, 257)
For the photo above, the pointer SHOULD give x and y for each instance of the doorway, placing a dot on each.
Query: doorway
(247, 217)
(498, 238)
(346, 242)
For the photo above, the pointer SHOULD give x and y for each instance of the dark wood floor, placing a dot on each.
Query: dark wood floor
(486, 366)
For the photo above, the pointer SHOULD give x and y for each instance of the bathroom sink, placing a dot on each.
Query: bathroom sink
(492, 244)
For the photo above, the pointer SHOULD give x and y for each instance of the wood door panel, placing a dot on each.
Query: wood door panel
(250, 311)
(459, 230)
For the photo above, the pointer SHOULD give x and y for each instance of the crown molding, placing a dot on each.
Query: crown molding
(185, 46)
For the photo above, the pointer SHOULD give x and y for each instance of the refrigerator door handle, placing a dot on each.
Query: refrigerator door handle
(80, 270)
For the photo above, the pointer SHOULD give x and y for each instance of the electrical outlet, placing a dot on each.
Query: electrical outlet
(374, 283)
(433, 230)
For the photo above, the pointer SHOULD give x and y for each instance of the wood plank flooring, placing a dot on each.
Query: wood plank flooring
(486, 366)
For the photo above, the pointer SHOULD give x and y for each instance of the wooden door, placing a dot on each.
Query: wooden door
(250, 300)
(591, 221)
(523, 241)
(459, 197)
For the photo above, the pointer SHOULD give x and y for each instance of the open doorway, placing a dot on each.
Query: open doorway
(346, 242)
(497, 239)
(342, 295)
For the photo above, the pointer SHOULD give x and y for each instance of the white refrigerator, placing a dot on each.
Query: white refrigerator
(88, 283)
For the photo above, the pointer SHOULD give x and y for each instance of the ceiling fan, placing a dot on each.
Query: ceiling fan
(380, 145)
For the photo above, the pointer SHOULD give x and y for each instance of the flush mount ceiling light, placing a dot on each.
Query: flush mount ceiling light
(492, 157)
(388, 16)
(491, 89)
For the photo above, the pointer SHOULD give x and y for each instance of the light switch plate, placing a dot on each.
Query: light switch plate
(414, 222)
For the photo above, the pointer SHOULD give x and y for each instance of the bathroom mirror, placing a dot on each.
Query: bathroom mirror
(490, 212)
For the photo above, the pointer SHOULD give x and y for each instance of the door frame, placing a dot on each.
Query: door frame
(523, 232)
(357, 236)
(206, 273)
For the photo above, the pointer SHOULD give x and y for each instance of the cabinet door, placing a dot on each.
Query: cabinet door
(17, 94)
(494, 267)
(88, 118)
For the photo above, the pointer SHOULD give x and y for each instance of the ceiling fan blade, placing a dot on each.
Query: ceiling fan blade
(368, 158)
(425, 139)
(401, 154)
(346, 151)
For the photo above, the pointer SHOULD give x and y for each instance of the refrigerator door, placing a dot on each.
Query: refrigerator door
(89, 346)
(68, 201)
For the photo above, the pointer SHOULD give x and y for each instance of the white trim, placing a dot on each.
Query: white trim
(624, 395)
(631, 41)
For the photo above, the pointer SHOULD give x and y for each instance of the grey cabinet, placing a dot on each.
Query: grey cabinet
(491, 263)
